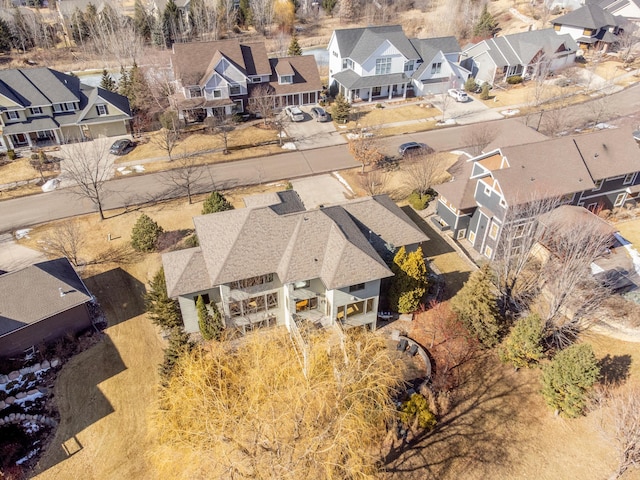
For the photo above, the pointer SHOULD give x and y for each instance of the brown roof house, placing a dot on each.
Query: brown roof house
(274, 262)
(40, 303)
(221, 75)
(596, 170)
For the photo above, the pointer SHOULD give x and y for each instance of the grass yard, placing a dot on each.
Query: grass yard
(17, 171)
(630, 230)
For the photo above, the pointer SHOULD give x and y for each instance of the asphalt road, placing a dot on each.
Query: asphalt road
(27, 211)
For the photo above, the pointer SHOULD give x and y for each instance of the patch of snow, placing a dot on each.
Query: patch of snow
(289, 146)
(281, 135)
(23, 233)
(138, 168)
(125, 172)
(50, 185)
(121, 169)
(510, 111)
(604, 126)
(448, 121)
(31, 427)
(343, 181)
(461, 152)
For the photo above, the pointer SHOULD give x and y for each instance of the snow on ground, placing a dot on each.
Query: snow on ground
(289, 146)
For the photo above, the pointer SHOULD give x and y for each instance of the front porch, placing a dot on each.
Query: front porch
(32, 135)
(365, 89)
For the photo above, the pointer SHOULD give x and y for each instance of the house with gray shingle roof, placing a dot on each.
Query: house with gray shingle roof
(221, 75)
(596, 171)
(628, 9)
(382, 62)
(590, 26)
(41, 106)
(41, 303)
(527, 54)
(274, 262)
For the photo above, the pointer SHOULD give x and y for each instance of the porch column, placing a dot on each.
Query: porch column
(350, 95)
(28, 135)
(370, 93)
(390, 91)
(57, 136)
(404, 91)
(9, 142)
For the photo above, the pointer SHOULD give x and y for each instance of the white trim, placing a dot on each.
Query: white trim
(631, 177)
(620, 199)
(461, 234)
(598, 185)
(488, 251)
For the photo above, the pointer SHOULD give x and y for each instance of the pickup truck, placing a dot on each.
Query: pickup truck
(459, 95)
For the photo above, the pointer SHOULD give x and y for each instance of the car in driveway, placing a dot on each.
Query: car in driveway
(121, 147)
(410, 148)
(458, 95)
(319, 114)
(294, 113)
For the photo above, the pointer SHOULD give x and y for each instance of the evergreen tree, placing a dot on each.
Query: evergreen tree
(23, 37)
(145, 233)
(340, 109)
(409, 283)
(171, 27)
(294, 47)
(79, 27)
(216, 202)
(523, 345)
(124, 84)
(566, 381)
(179, 345)
(484, 95)
(244, 13)
(163, 311)
(487, 25)
(141, 21)
(476, 307)
(210, 323)
(5, 36)
(107, 82)
(470, 84)
(328, 6)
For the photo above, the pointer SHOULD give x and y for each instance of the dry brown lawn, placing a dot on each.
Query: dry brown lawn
(631, 231)
(17, 170)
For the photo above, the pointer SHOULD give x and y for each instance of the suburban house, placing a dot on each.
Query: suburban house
(629, 9)
(221, 76)
(275, 263)
(381, 62)
(527, 54)
(590, 26)
(596, 171)
(40, 106)
(41, 303)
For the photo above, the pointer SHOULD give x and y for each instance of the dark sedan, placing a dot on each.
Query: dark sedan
(413, 147)
(121, 147)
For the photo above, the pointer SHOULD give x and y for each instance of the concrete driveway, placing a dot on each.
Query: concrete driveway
(471, 111)
(14, 257)
(321, 190)
(311, 134)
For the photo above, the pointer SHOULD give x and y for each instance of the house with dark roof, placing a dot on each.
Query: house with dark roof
(275, 263)
(382, 62)
(596, 171)
(221, 76)
(528, 54)
(41, 303)
(591, 26)
(41, 106)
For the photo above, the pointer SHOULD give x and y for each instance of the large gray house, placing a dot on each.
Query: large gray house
(595, 170)
(274, 262)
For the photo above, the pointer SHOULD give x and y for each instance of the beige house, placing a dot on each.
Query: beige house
(275, 263)
(41, 106)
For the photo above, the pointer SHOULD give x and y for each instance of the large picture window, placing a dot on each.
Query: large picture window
(383, 66)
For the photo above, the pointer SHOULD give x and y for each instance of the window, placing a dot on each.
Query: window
(628, 179)
(217, 93)
(493, 231)
(12, 115)
(35, 111)
(195, 92)
(516, 250)
(303, 284)
(102, 110)
(620, 199)
(598, 185)
(487, 191)
(488, 251)
(461, 234)
(64, 107)
(408, 66)
(503, 203)
(234, 90)
(376, 91)
(250, 282)
(436, 67)
(557, 27)
(205, 297)
(238, 107)
(519, 231)
(256, 79)
(383, 66)
(356, 288)
(335, 54)
(286, 79)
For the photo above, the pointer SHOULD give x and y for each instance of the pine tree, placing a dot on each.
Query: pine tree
(163, 311)
(566, 381)
(145, 233)
(141, 21)
(179, 345)
(216, 202)
(294, 47)
(5, 36)
(328, 6)
(484, 95)
(470, 84)
(170, 22)
(210, 323)
(486, 26)
(409, 283)
(107, 82)
(340, 109)
(523, 345)
(245, 16)
(124, 84)
(476, 307)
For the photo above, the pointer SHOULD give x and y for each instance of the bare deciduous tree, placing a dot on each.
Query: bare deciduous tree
(262, 103)
(374, 182)
(66, 240)
(262, 11)
(186, 176)
(478, 138)
(364, 146)
(221, 125)
(627, 40)
(167, 137)
(89, 165)
(423, 170)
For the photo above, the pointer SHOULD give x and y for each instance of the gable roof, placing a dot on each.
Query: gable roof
(588, 16)
(325, 243)
(33, 293)
(304, 70)
(359, 43)
(428, 48)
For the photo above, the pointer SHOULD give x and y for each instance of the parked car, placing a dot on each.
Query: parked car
(294, 113)
(121, 147)
(413, 147)
(319, 114)
(459, 95)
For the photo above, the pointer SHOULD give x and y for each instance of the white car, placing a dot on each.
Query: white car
(294, 113)
(459, 95)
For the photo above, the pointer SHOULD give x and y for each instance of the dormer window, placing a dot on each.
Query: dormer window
(256, 79)
(64, 107)
(285, 79)
(409, 66)
(13, 115)
(195, 92)
(35, 111)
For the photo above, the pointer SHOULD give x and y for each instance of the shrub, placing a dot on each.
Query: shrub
(145, 233)
(216, 202)
(210, 324)
(288, 186)
(566, 381)
(12, 154)
(409, 282)
(484, 95)
(470, 84)
(379, 105)
(419, 201)
(192, 241)
(514, 80)
(416, 409)
(523, 345)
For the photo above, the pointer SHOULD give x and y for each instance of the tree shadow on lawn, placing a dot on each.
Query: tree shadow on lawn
(614, 370)
(476, 434)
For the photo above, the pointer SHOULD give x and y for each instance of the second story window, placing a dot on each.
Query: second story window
(356, 288)
(35, 111)
(195, 92)
(11, 115)
(408, 66)
(436, 67)
(102, 110)
(234, 90)
(383, 66)
(285, 79)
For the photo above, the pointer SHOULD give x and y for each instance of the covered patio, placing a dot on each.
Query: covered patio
(38, 132)
(356, 88)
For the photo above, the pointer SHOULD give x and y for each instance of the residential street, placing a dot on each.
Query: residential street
(27, 211)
